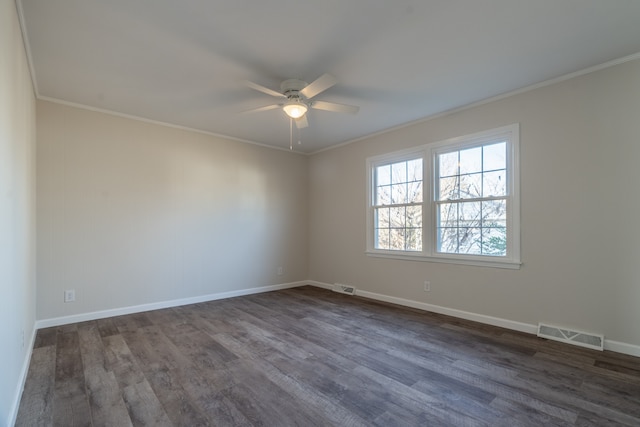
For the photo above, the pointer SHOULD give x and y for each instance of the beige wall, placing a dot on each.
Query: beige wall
(17, 211)
(133, 213)
(580, 148)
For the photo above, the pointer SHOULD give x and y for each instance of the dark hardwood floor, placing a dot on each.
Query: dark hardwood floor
(311, 357)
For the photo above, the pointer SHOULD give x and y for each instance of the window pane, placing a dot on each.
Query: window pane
(399, 172)
(471, 160)
(382, 240)
(382, 218)
(383, 195)
(414, 239)
(414, 192)
(470, 241)
(494, 184)
(397, 217)
(494, 241)
(470, 186)
(448, 164)
(448, 188)
(396, 239)
(398, 193)
(414, 216)
(494, 210)
(448, 215)
(470, 214)
(494, 156)
(414, 170)
(383, 175)
(448, 240)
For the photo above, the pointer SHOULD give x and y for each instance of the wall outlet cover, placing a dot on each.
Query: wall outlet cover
(69, 295)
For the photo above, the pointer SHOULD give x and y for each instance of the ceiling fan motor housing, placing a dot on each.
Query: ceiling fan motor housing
(291, 89)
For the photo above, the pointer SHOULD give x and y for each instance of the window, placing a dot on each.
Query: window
(471, 200)
(452, 201)
(398, 206)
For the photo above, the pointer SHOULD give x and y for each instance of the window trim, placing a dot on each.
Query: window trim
(428, 153)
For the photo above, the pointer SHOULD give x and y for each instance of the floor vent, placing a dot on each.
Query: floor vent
(344, 289)
(583, 339)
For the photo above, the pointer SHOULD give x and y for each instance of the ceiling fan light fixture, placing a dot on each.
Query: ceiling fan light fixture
(295, 109)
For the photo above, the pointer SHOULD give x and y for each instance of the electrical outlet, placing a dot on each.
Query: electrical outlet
(280, 271)
(69, 295)
(427, 286)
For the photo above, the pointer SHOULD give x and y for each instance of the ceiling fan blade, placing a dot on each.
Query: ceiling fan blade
(336, 108)
(265, 108)
(263, 89)
(302, 122)
(320, 84)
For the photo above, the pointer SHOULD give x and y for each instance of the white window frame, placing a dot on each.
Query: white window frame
(429, 152)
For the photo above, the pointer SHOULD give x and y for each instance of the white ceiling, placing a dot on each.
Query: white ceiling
(184, 62)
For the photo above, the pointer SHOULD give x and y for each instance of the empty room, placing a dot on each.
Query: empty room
(340, 213)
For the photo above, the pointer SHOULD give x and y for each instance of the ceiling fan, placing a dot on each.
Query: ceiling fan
(297, 97)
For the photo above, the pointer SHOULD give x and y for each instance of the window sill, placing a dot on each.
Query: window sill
(473, 261)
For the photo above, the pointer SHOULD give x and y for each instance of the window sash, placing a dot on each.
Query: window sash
(398, 202)
(488, 229)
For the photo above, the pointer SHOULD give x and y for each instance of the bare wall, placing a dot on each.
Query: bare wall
(133, 213)
(17, 211)
(580, 147)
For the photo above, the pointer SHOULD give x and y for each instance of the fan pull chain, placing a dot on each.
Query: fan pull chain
(291, 134)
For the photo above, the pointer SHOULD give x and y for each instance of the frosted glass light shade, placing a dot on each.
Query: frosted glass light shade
(295, 110)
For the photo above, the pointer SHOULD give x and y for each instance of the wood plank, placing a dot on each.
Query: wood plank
(45, 337)
(202, 349)
(162, 363)
(177, 403)
(71, 406)
(415, 402)
(105, 399)
(102, 388)
(152, 349)
(524, 414)
(36, 405)
(106, 327)
(208, 388)
(333, 412)
(120, 361)
(265, 403)
(144, 407)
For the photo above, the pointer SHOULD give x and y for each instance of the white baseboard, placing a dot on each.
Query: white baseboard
(622, 347)
(84, 317)
(13, 414)
(481, 318)
(320, 285)
(616, 346)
